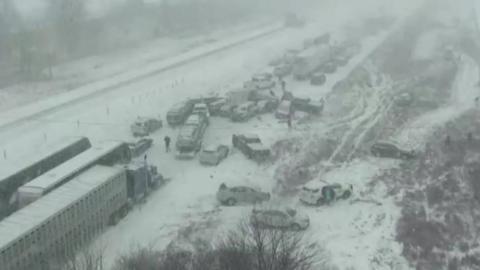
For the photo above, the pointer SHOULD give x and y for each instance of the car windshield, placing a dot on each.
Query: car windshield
(286, 96)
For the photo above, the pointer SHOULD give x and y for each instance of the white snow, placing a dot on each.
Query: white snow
(189, 199)
(355, 232)
(464, 91)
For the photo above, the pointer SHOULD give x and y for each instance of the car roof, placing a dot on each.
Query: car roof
(200, 105)
(250, 136)
(210, 147)
(187, 131)
(258, 146)
(193, 119)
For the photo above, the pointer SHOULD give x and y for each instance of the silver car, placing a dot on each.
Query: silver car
(280, 219)
(213, 154)
(233, 195)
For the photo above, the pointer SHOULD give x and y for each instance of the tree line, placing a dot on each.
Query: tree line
(67, 30)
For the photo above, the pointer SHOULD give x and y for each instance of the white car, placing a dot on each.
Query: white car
(260, 81)
(201, 108)
(280, 219)
(320, 194)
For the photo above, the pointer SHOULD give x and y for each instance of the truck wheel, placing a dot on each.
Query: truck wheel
(231, 202)
(346, 194)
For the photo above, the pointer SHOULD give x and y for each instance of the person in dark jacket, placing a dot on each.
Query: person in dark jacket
(167, 143)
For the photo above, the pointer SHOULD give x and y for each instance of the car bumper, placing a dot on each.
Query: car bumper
(308, 201)
(185, 155)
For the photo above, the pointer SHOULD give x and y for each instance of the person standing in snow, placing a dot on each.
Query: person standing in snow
(167, 143)
(289, 122)
(283, 85)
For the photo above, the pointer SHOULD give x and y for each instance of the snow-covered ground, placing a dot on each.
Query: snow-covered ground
(72, 75)
(357, 234)
(465, 91)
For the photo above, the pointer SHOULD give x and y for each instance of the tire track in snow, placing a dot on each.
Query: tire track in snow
(374, 108)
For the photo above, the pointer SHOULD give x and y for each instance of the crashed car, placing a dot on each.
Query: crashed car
(139, 147)
(288, 218)
(252, 147)
(329, 67)
(318, 79)
(213, 154)
(179, 113)
(267, 105)
(260, 81)
(201, 108)
(244, 112)
(284, 110)
(240, 194)
(143, 126)
(391, 150)
(226, 110)
(190, 137)
(307, 105)
(216, 106)
(324, 194)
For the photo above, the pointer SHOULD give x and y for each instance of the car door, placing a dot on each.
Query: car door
(250, 195)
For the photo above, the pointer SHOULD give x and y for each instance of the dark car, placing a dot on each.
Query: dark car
(139, 147)
(390, 150)
(307, 105)
(329, 67)
(216, 106)
(178, 114)
(240, 194)
(143, 126)
(252, 147)
(318, 79)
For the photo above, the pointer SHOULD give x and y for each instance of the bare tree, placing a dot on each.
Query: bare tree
(259, 248)
(68, 18)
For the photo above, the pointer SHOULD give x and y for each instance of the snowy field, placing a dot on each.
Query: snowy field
(358, 233)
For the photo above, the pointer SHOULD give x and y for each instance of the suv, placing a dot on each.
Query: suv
(325, 194)
(252, 147)
(390, 150)
(244, 112)
(143, 126)
(197, 120)
(280, 219)
(178, 113)
(232, 195)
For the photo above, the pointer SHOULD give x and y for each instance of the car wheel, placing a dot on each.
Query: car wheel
(319, 202)
(231, 202)
(296, 227)
(346, 194)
